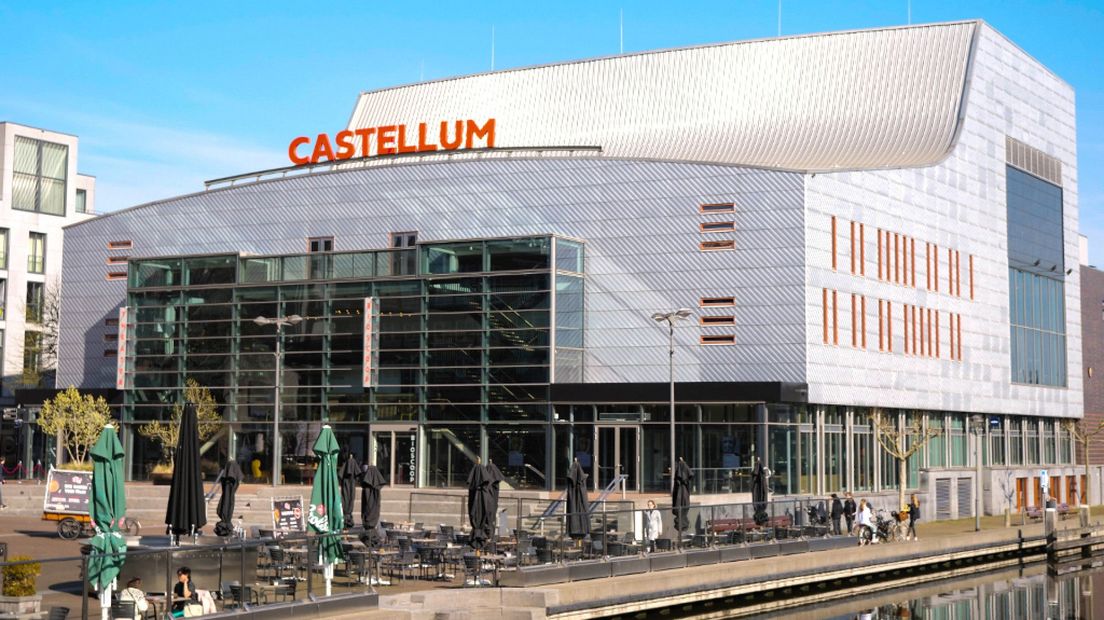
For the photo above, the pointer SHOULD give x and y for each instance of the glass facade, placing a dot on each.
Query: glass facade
(1036, 280)
(468, 338)
(465, 341)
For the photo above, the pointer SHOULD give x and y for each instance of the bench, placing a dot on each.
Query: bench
(1034, 513)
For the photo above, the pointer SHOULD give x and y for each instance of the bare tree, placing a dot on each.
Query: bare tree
(1008, 491)
(901, 443)
(1084, 434)
(167, 433)
(40, 343)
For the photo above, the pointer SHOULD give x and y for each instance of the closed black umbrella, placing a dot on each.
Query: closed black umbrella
(371, 482)
(348, 478)
(759, 492)
(186, 512)
(230, 477)
(680, 495)
(479, 506)
(578, 520)
(494, 479)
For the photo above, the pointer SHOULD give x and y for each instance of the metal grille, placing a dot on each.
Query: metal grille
(1032, 160)
(943, 498)
(965, 497)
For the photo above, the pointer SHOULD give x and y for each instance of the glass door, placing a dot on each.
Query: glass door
(395, 452)
(617, 452)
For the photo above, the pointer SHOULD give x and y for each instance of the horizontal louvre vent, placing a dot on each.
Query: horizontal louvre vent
(718, 227)
(718, 339)
(117, 260)
(718, 207)
(718, 320)
(712, 246)
(116, 275)
(716, 302)
(119, 245)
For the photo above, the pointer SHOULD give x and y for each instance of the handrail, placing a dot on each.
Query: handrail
(610, 488)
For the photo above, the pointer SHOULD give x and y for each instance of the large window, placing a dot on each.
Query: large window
(1036, 274)
(36, 297)
(38, 180)
(36, 253)
(82, 201)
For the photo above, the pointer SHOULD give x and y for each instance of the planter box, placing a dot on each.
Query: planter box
(20, 604)
(161, 479)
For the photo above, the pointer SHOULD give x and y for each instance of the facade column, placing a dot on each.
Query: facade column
(761, 449)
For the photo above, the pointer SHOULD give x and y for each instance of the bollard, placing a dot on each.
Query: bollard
(1050, 527)
(1083, 514)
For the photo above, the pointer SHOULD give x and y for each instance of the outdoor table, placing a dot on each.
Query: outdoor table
(378, 555)
(496, 561)
(160, 603)
(297, 557)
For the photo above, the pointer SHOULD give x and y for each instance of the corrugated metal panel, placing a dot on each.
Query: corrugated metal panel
(851, 100)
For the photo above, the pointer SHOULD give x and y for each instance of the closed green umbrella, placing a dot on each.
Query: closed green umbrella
(107, 507)
(326, 515)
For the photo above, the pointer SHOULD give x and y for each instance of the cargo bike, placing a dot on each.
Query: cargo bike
(66, 502)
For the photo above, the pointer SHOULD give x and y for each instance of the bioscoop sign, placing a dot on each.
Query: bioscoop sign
(392, 140)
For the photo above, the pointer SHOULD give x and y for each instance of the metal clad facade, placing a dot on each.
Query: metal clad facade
(640, 222)
(866, 99)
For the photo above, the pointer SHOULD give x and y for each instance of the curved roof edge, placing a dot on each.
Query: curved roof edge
(864, 99)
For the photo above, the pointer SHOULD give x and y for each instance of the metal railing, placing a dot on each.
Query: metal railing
(221, 568)
(433, 509)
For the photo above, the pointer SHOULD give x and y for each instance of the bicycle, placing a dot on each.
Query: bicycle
(72, 527)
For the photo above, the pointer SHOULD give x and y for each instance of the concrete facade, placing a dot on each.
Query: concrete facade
(19, 224)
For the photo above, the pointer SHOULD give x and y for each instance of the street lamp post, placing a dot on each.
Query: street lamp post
(669, 318)
(280, 323)
(978, 424)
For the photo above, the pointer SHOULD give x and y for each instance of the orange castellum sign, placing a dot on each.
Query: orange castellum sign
(392, 139)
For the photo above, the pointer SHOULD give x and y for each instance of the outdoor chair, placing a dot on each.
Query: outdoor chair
(285, 590)
(277, 562)
(404, 561)
(58, 613)
(237, 595)
(123, 610)
(356, 564)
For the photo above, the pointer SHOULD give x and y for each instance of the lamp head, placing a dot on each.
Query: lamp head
(260, 320)
(659, 317)
(294, 319)
(682, 313)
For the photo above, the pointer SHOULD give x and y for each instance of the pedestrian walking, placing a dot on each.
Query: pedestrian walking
(653, 525)
(837, 513)
(866, 520)
(913, 517)
(849, 513)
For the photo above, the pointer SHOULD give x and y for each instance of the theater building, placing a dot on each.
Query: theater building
(871, 221)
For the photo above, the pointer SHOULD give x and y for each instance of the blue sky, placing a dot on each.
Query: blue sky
(165, 95)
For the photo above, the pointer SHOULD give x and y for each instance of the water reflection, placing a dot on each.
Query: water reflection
(1015, 594)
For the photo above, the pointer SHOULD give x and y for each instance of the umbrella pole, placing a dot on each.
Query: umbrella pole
(105, 601)
(328, 572)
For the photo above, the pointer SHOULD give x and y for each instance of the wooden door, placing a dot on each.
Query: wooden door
(1021, 494)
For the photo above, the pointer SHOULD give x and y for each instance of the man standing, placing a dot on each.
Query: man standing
(837, 512)
(849, 509)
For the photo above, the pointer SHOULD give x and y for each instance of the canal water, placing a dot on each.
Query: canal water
(1027, 593)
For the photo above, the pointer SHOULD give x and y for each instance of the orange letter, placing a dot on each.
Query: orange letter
(295, 159)
(453, 144)
(322, 149)
(422, 145)
(364, 135)
(345, 146)
(403, 148)
(486, 132)
(385, 139)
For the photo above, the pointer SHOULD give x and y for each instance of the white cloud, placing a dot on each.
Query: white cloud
(136, 162)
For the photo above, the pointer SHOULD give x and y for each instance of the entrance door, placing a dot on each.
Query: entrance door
(617, 452)
(396, 454)
(1021, 494)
